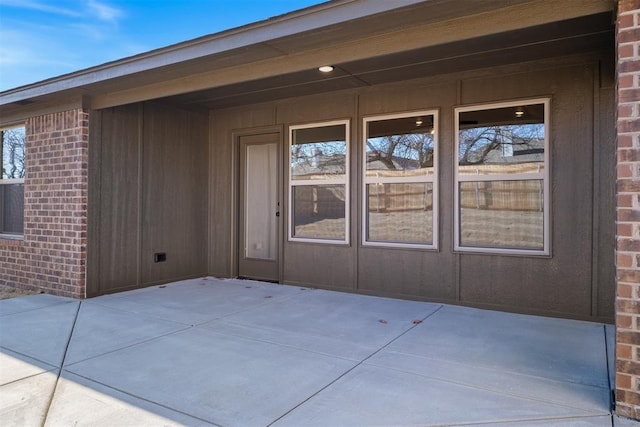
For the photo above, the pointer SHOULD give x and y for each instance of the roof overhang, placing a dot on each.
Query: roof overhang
(370, 42)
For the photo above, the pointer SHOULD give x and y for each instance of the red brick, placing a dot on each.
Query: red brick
(625, 171)
(625, 111)
(628, 215)
(628, 126)
(628, 95)
(625, 21)
(624, 260)
(624, 351)
(41, 262)
(625, 81)
(629, 397)
(631, 338)
(624, 230)
(624, 322)
(623, 381)
(628, 305)
(624, 291)
(626, 51)
(627, 186)
(627, 35)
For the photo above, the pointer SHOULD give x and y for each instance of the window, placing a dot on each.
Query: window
(502, 178)
(12, 144)
(400, 194)
(319, 182)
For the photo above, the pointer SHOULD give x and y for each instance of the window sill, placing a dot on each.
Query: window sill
(468, 250)
(12, 237)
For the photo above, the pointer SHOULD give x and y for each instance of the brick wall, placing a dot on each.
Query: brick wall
(628, 211)
(52, 256)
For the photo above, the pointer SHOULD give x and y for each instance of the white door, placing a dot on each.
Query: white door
(259, 222)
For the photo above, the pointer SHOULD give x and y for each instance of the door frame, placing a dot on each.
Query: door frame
(236, 134)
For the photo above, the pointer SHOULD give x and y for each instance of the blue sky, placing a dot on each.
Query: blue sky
(40, 39)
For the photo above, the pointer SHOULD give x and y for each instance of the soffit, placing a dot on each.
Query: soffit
(580, 35)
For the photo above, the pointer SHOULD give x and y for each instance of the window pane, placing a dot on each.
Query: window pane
(502, 214)
(13, 143)
(318, 152)
(502, 140)
(400, 213)
(12, 204)
(319, 211)
(400, 147)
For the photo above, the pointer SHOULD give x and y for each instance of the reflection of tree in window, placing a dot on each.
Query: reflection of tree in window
(407, 151)
(399, 180)
(501, 144)
(501, 182)
(12, 149)
(318, 182)
(13, 142)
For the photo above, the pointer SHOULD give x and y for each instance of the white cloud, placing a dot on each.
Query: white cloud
(40, 6)
(104, 12)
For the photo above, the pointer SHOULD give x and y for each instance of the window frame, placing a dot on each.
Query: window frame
(9, 181)
(544, 176)
(433, 179)
(346, 181)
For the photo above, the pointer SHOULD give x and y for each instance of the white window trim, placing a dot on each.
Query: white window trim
(433, 179)
(326, 181)
(11, 236)
(12, 181)
(544, 176)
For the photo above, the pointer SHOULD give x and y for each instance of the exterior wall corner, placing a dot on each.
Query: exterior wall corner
(628, 210)
(51, 257)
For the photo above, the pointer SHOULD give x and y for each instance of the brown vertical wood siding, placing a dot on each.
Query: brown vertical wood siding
(564, 284)
(179, 195)
(149, 193)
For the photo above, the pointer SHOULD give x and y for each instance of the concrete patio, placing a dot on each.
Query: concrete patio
(244, 353)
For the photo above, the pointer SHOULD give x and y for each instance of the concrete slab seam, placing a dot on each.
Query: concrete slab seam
(53, 368)
(143, 341)
(64, 356)
(146, 400)
(517, 422)
(355, 366)
(36, 308)
(137, 313)
(612, 400)
(497, 391)
(244, 337)
(246, 309)
(121, 310)
(485, 368)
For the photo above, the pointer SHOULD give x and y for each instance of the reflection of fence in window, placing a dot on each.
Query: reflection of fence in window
(399, 197)
(319, 210)
(319, 201)
(502, 195)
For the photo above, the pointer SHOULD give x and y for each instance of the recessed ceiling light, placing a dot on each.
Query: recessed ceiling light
(519, 112)
(326, 68)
